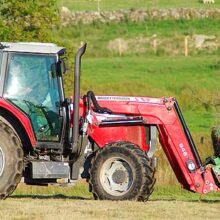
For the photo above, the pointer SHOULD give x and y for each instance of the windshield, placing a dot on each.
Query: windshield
(32, 87)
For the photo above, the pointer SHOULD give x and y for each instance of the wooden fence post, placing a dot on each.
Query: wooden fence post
(155, 43)
(119, 47)
(186, 49)
(98, 6)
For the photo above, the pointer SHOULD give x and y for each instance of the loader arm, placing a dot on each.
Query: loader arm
(174, 136)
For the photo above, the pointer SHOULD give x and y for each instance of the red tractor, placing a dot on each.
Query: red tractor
(109, 140)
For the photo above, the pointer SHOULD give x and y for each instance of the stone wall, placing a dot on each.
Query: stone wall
(135, 15)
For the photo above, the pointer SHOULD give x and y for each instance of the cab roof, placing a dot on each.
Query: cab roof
(32, 47)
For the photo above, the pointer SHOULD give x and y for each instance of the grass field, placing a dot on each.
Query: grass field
(48, 209)
(80, 191)
(170, 33)
(76, 203)
(77, 5)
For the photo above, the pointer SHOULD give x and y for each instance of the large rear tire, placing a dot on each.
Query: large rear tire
(121, 171)
(11, 160)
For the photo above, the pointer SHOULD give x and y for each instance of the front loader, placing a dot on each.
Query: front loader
(110, 141)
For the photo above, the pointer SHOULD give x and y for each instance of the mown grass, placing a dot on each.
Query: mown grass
(78, 5)
(50, 209)
(166, 202)
(53, 202)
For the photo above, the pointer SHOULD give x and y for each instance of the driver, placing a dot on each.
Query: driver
(17, 82)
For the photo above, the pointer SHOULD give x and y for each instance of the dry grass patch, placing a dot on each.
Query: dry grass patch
(53, 202)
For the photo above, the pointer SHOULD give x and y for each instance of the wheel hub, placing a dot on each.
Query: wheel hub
(116, 176)
(2, 161)
(119, 176)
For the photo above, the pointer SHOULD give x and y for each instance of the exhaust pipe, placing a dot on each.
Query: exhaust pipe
(77, 70)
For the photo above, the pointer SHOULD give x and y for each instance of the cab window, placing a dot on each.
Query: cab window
(31, 86)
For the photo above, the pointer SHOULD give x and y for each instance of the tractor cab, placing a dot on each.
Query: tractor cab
(31, 80)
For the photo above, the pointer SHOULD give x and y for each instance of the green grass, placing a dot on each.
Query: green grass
(166, 203)
(177, 193)
(170, 34)
(170, 28)
(80, 191)
(77, 5)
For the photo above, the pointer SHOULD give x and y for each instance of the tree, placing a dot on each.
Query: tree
(27, 20)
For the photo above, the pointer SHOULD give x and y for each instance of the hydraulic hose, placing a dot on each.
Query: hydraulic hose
(97, 107)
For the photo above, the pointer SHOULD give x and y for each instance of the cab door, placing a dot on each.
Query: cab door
(35, 89)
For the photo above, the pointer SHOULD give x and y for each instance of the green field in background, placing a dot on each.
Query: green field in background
(99, 35)
(77, 5)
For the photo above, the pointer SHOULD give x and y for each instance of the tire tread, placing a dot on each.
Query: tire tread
(147, 171)
(15, 177)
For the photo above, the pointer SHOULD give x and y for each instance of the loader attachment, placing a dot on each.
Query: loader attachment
(188, 134)
(174, 136)
(184, 157)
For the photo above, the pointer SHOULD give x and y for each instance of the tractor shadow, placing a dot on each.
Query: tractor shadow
(56, 196)
(61, 196)
(210, 201)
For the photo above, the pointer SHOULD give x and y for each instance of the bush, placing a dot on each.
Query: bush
(27, 20)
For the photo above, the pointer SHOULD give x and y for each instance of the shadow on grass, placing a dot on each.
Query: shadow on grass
(61, 196)
(56, 196)
(188, 200)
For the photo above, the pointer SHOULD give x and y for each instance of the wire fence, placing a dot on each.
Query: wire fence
(184, 45)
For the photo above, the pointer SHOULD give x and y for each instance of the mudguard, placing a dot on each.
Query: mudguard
(21, 117)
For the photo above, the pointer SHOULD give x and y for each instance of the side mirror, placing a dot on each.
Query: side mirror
(61, 67)
(58, 68)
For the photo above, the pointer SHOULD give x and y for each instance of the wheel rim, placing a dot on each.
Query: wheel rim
(116, 176)
(2, 161)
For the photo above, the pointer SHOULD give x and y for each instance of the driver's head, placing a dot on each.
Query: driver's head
(15, 68)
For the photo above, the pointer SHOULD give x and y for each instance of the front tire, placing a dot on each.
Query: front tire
(121, 171)
(11, 160)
